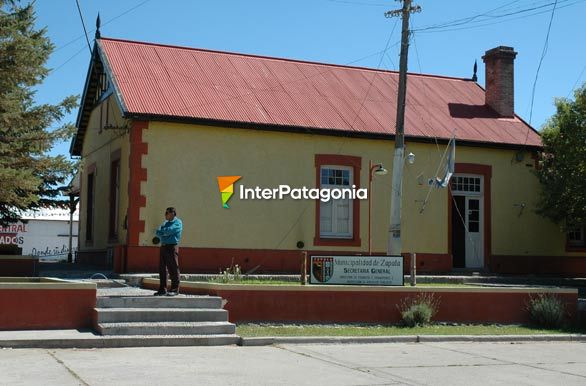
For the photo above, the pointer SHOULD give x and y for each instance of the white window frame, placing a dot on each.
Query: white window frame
(466, 192)
(334, 234)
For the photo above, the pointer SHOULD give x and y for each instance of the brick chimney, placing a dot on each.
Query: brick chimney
(499, 67)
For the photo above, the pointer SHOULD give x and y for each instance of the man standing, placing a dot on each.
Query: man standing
(170, 235)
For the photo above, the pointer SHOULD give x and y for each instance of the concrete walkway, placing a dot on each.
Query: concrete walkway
(350, 364)
(87, 339)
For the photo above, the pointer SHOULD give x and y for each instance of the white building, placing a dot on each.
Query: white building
(43, 233)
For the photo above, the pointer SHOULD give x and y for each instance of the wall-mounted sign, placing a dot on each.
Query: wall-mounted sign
(361, 270)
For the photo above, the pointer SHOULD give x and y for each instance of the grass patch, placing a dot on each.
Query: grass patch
(257, 282)
(252, 330)
(286, 282)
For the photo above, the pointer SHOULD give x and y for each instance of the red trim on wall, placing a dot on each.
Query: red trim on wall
(212, 260)
(486, 172)
(569, 266)
(138, 174)
(428, 262)
(307, 305)
(342, 160)
(36, 309)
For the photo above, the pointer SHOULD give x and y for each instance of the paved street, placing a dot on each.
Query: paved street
(340, 364)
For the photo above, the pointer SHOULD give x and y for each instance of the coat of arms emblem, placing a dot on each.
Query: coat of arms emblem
(322, 268)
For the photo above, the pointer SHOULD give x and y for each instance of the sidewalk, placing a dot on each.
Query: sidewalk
(89, 339)
(453, 364)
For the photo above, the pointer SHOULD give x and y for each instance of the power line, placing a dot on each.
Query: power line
(374, 75)
(543, 53)
(428, 126)
(358, 3)
(67, 61)
(107, 22)
(103, 24)
(344, 139)
(576, 82)
(463, 20)
(484, 23)
(89, 46)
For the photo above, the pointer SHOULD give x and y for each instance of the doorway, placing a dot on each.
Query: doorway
(467, 221)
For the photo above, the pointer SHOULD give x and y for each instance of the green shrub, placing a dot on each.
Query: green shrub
(418, 311)
(547, 310)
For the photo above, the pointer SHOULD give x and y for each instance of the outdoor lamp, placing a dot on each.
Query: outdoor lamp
(380, 170)
(411, 158)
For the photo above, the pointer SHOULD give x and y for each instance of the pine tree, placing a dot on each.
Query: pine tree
(563, 163)
(29, 177)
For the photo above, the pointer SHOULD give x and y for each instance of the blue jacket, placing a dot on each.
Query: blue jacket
(170, 231)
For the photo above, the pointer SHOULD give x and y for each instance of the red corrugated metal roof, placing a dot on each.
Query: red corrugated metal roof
(194, 83)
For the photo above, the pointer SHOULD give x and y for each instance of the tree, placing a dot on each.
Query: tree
(29, 177)
(563, 163)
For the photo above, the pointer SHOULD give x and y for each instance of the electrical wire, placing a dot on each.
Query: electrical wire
(103, 24)
(436, 173)
(344, 139)
(543, 53)
(576, 82)
(428, 126)
(374, 75)
(447, 27)
(89, 46)
(348, 2)
(462, 20)
(67, 61)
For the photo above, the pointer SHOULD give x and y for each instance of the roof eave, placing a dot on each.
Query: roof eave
(74, 146)
(321, 131)
(75, 149)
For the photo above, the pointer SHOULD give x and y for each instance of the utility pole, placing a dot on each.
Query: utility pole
(394, 246)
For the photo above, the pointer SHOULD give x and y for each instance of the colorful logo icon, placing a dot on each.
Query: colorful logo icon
(322, 268)
(226, 184)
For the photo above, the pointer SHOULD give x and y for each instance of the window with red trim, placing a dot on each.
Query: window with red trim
(336, 215)
(337, 221)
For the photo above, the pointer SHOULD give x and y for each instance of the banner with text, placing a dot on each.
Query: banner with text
(361, 270)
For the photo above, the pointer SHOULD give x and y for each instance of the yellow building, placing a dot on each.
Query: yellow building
(158, 124)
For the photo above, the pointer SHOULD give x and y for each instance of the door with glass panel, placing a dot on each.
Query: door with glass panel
(467, 221)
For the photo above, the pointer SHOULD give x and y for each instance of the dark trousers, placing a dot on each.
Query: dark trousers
(169, 261)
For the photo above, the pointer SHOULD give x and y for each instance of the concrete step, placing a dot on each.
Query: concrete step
(167, 328)
(122, 315)
(159, 302)
(116, 341)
